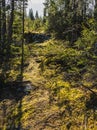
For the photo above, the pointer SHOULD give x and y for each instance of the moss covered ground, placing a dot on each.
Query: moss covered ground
(64, 97)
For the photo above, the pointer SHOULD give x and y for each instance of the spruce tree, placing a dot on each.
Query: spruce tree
(36, 15)
(31, 16)
(95, 10)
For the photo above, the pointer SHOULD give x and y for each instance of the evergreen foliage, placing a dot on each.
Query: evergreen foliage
(36, 15)
(63, 69)
(65, 18)
(31, 16)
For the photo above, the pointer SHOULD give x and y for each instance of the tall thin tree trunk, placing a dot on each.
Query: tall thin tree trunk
(95, 10)
(10, 26)
(22, 56)
(3, 29)
(0, 24)
(0, 35)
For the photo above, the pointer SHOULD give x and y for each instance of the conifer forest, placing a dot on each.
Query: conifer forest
(48, 65)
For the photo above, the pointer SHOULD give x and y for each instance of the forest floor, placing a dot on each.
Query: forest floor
(44, 100)
(29, 111)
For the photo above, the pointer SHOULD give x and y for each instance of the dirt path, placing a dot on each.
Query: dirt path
(33, 111)
(32, 73)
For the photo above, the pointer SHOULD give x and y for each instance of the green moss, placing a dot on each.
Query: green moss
(59, 71)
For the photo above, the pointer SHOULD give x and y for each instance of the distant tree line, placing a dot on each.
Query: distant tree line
(31, 14)
(35, 21)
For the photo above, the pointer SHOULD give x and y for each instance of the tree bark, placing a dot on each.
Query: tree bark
(3, 29)
(10, 26)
